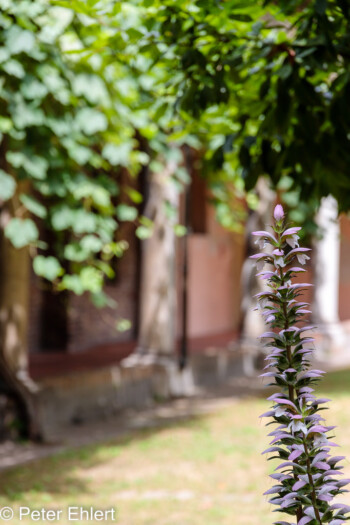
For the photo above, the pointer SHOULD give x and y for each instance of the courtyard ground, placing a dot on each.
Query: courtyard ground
(206, 469)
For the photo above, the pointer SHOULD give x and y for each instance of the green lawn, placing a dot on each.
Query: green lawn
(206, 471)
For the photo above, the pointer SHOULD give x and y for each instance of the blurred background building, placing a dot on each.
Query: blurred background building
(188, 305)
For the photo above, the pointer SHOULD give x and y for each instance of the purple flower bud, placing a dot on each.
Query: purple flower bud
(304, 520)
(291, 231)
(265, 234)
(299, 485)
(294, 455)
(278, 212)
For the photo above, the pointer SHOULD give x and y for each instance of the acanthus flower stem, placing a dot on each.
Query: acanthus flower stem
(291, 397)
(305, 491)
(311, 482)
(290, 387)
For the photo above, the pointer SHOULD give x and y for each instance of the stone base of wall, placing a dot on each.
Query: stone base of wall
(137, 382)
(140, 381)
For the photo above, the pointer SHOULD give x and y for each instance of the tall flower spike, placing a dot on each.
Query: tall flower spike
(307, 479)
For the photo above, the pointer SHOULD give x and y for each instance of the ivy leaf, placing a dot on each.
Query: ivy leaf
(101, 300)
(126, 213)
(21, 232)
(180, 230)
(19, 40)
(56, 22)
(62, 218)
(47, 267)
(88, 189)
(14, 68)
(5, 124)
(32, 89)
(122, 325)
(91, 121)
(118, 154)
(75, 252)
(134, 195)
(33, 164)
(91, 87)
(91, 279)
(144, 232)
(73, 283)
(7, 186)
(91, 243)
(84, 222)
(33, 205)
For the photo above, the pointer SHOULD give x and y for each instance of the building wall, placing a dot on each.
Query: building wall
(90, 326)
(214, 290)
(215, 259)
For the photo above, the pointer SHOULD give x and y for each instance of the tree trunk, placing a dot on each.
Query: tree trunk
(14, 303)
(158, 293)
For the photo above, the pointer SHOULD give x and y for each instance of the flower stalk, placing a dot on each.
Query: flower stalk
(307, 479)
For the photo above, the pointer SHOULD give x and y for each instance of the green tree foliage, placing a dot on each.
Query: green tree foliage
(266, 86)
(67, 129)
(90, 87)
(260, 87)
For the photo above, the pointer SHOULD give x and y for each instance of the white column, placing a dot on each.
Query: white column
(326, 267)
(327, 255)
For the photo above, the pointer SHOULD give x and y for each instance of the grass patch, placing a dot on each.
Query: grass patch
(208, 470)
